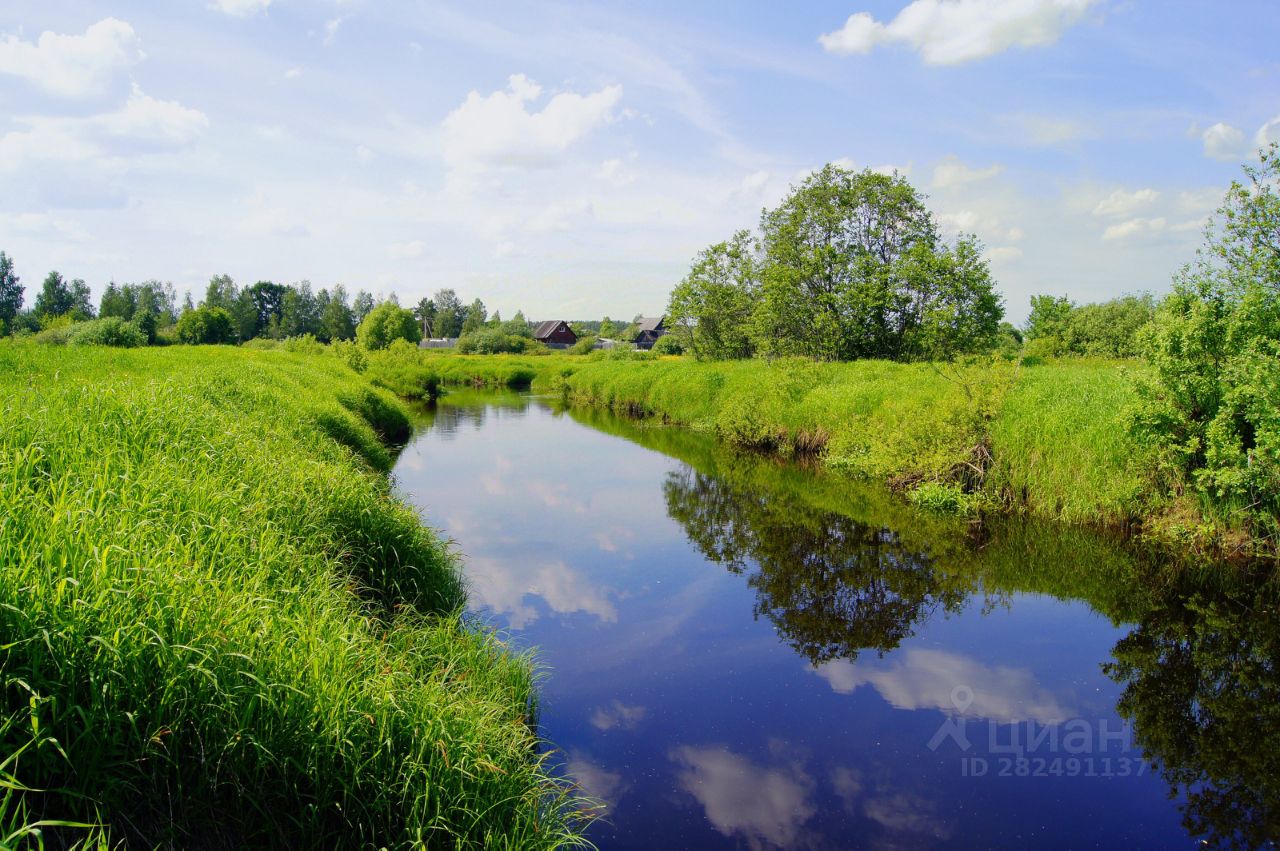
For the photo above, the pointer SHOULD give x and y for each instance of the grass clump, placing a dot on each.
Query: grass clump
(222, 629)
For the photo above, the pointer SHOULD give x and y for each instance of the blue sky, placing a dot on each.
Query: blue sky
(569, 159)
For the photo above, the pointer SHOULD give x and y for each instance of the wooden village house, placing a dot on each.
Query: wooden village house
(650, 329)
(555, 333)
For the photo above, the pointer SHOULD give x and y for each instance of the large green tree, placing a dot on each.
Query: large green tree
(849, 265)
(58, 297)
(387, 323)
(712, 308)
(450, 313)
(337, 320)
(10, 290)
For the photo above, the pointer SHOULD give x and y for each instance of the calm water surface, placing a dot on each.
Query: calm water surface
(745, 654)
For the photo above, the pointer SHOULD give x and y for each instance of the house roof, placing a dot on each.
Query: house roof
(545, 329)
(650, 323)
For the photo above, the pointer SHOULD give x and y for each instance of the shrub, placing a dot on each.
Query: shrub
(57, 333)
(668, 344)
(306, 344)
(491, 341)
(350, 353)
(112, 331)
(205, 326)
(584, 346)
(386, 323)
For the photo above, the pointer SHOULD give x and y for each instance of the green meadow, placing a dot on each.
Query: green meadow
(221, 629)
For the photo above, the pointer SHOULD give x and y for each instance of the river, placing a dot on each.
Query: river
(745, 653)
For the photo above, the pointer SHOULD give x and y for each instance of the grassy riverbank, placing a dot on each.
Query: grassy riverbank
(220, 628)
(1048, 440)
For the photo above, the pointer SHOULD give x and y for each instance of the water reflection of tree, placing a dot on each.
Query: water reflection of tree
(1202, 691)
(831, 585)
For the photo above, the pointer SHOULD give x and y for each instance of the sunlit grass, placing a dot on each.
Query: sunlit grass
(219, 625)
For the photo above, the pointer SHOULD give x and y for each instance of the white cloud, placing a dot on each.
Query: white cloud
(949, 32)
(765, 806)
(1224, 142)
(72, 65)
(1048, 130)
(1134, 227)
(618, 714)
(331, 27)
(1268, 133)
(604, 786)
(1121, 203)
(364, 154)
(240, 8)
(406, 250)
(143, 124)
(499, 129)
(503, 588)
(931, 679)
(951, 172)
(1004, 253)
(293, 73)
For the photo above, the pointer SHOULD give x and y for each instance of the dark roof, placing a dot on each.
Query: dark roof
(545, 329)
(651, 323)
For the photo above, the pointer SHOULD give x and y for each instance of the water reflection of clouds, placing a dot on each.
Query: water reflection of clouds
(928, 679)
(617, 714)
(604, 786)
(503, 585)
(765, 806)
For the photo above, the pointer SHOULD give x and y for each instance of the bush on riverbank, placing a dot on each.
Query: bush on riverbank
(221, 628)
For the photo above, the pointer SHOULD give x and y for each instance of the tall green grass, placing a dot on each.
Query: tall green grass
(220, 628)
(1048, 440)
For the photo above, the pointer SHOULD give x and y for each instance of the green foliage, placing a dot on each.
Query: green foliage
(112, 331)
(386, 323)
(583, 346)
(1112, 329)
(712, 307)
(668, 344)
(848, 266)
(450, 314)
(56, 330)
(352, 354)
(403, 370)
(10, 291)
(337, 322)
(58, 298)
(492, 341)
(233, 631)
(1212, 399)
(1048, 441)
(205, 325)
(475, 318)
(304, 344)
(942, 497)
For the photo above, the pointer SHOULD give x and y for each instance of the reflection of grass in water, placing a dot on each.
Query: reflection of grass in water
(218, 625)
(1004, 555)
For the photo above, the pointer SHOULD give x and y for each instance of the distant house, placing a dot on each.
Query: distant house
(651, 328)
(555, 333)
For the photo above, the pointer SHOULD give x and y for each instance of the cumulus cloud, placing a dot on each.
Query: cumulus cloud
(1136, 227)
(72, 65)
(951, 172)
(1224, 142)
(500, 128)
(950, 32)
(929, 679)
(1268, 133)
(240, 8)
(1122, 203)
(765, 806)
(1048, 130)
(144, 124)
